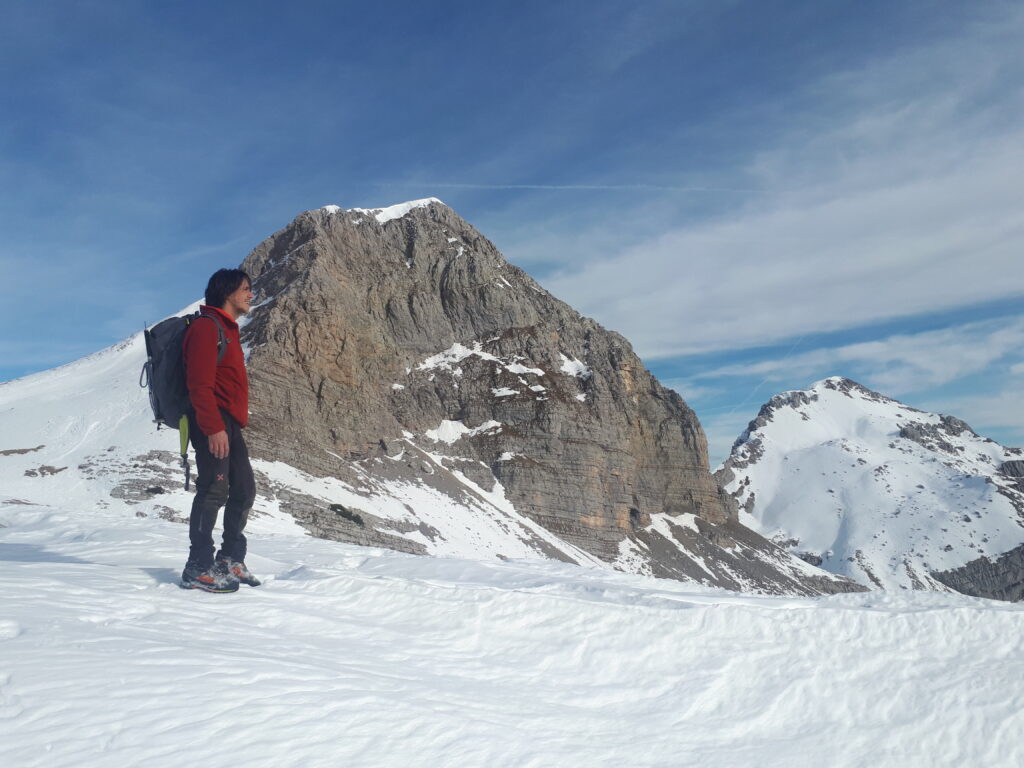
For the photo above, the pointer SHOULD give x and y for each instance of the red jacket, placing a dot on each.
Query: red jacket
(212, 385)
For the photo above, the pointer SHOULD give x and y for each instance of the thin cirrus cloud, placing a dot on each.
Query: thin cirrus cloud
(897, 366)
(1001, 410)
(569, 187)
(902, 362)
(904, 200)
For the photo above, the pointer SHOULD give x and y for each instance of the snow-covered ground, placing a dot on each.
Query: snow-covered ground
(356, 656)
(367, 657)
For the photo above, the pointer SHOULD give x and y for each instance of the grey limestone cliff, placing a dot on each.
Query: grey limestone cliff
(381, 335)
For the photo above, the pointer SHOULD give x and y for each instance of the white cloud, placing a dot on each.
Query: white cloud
(1000, 410)
(900, 363)
(904, 199)
(690, 391)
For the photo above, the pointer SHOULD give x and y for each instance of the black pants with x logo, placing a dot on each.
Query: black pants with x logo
(227, 483)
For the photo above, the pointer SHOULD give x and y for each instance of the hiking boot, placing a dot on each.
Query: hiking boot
(237, 570)
(209, 580)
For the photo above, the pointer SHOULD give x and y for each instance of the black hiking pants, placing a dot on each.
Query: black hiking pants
(227, 483)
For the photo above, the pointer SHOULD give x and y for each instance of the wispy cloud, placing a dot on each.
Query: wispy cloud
(571, 187)
(636, 30)
(895, 191)
(999, 415)
(722, 429)
(902, 362)
(690, 391)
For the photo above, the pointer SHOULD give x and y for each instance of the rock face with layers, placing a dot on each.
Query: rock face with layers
(401, 339)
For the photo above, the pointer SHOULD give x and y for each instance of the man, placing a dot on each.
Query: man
(219, 391)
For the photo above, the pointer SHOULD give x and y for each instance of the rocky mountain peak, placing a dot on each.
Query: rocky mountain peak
(401, 335)
(410, 389)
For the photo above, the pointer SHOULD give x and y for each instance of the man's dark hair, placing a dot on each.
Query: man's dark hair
(222, 284)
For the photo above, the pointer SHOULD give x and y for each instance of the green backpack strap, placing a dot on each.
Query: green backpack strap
(183, 434)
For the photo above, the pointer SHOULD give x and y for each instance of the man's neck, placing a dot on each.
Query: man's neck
(230, 312)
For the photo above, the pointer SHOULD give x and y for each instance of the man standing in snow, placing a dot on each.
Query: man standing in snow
(218, 389)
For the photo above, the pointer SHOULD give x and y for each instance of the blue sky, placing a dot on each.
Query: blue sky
(757, 194)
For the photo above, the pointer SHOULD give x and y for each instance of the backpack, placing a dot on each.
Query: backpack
(164, 375)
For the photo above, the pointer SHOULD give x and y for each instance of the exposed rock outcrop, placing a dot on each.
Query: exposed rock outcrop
(998, 579)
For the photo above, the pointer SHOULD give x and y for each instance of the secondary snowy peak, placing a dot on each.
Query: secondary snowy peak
(870, 488)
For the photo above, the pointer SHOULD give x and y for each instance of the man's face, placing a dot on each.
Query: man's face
(238, 303)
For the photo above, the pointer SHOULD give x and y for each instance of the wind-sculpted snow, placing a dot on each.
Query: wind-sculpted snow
(360, 656)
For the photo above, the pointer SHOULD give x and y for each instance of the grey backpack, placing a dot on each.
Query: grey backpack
(164, 374)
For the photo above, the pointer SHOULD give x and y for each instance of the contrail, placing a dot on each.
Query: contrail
(583, 187)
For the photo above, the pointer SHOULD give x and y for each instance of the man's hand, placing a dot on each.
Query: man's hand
(219, 444)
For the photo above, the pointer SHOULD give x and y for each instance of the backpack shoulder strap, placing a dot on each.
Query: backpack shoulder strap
(222, 339)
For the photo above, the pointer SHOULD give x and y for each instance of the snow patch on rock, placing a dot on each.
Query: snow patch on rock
(574, 367)
(450, 431)
(383, 215)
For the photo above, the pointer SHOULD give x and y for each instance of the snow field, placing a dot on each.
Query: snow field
(367, 657)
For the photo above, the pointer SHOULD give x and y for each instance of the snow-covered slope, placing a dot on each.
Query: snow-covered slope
(873, 489)
(84, 431)
(366, 657)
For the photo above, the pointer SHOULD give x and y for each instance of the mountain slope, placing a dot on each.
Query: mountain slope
(872, 489)
(87, 427)
(411, 390)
